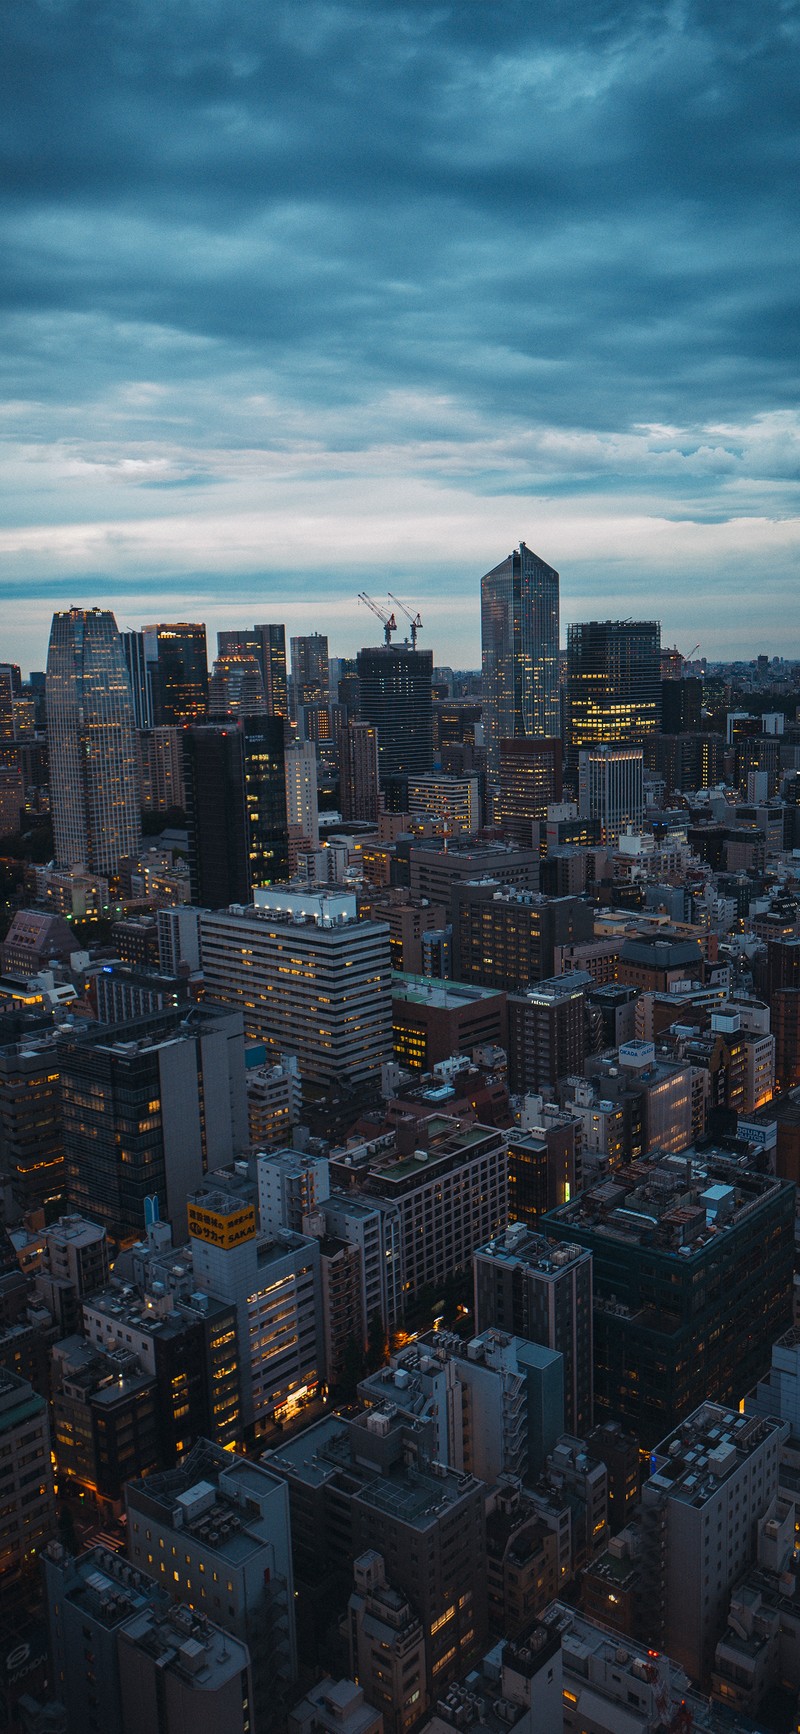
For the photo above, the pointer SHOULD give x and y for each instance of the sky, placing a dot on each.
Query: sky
(301, 298)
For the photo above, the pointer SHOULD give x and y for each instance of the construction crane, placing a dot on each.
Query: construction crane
(387, 620)
(416, 623)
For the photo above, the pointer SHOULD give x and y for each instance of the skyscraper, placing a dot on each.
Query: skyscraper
(93, 765)
(613, 682)
(310, 672)
(236, 808)
(530, 779)
(178, 661)
(519, 636)
(302, 806)
(611, 789)
(268, 644)
(358, 771)
(397, 699)
(236, 687)
(134, 650)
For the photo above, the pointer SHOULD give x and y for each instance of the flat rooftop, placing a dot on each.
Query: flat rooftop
(709, 1447)
(676, 1204)
(442, 995)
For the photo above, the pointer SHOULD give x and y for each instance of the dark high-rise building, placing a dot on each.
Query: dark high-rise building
(681, 706)
(613, 683)
(358, 771)
(236, 808)
(149, 1108)
(31, 1134)
(348, 691)
(530, 781)
(310, 670)
(519, 636)
(267, 643)
(505, 938)
(682, 1315)
(396, 698)
(178, 661)
(134, 650)
(273, 667)
(94, 783)
(547, 1033)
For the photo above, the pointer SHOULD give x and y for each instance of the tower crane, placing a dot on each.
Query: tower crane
(387, 620)
(415, 621)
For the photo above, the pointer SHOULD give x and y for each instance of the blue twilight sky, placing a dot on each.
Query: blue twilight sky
(301, 297)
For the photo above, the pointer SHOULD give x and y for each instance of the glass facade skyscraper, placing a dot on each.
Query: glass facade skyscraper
(397, 700)
(94, 785)
(179, 671)
(236, 808)
(613, 683)
(519, 637)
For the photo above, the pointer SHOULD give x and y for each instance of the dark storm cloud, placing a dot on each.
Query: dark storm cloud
(493, 242)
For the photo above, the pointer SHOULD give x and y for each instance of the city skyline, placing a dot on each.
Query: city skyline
(313, 340)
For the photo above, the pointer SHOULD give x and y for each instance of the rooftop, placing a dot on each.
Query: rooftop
(522, 1245)
(676, 1204)
(706, 1450)
(444, 995)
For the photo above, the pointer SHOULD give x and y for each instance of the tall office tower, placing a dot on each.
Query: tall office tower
(149, 1108)
(519, 637)
(681, 706)
(302, 808)
(613, 683)
(267, 644)
(178, 661)
(611, 789)
(273, 668)
(236, 808)
(134, 650)
(397, 699)
(530, 782)
(359, 785)
(310, 672)
(236, 687)
(532, 1287)
(348, 687)
(31, 1131)
(94, 785)
(161, 768)
(318, 987)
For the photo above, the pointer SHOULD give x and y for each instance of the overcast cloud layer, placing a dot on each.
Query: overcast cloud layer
(300, 298)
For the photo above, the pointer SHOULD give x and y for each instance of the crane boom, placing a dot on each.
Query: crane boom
(387, 620)
(414, 619)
